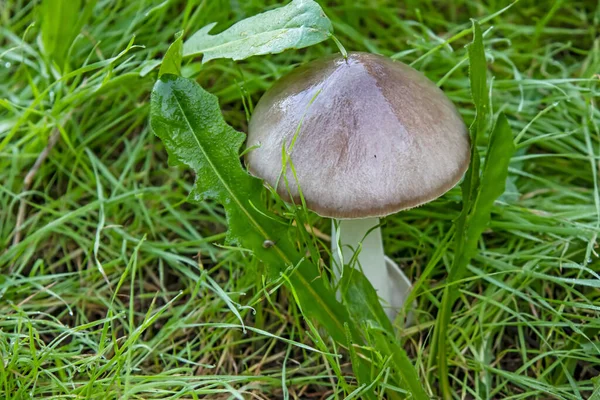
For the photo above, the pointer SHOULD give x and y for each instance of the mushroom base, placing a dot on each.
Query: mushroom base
(387, 278)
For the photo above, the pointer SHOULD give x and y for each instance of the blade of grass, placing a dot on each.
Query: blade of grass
(479, 195)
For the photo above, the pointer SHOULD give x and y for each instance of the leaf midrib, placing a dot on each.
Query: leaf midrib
(233, 42)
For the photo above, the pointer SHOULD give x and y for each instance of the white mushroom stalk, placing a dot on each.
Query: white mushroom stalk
(364, 235)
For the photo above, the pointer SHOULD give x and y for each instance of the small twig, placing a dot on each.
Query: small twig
(24, 301)
(44, 289)
(29, 179)
(54, 136)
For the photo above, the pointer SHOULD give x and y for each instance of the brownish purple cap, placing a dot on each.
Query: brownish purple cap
(367, 137)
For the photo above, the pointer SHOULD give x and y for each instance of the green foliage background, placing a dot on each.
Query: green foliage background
(116, 288)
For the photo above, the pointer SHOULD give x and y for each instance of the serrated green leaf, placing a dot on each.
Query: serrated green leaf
(189, 122)
(61, 22)
(171, 63)
(480, 191)
(299, 24)
(492, 185)
(493, 179)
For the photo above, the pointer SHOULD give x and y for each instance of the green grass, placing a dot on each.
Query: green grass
(117, 288)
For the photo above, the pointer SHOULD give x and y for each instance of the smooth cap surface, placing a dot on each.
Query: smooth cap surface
(367, 136)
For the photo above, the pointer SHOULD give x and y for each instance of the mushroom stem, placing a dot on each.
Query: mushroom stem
(387, 278)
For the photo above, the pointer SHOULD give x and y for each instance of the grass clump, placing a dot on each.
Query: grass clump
(112, 286)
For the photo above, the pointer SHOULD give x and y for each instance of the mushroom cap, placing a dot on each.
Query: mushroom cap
(367, 137)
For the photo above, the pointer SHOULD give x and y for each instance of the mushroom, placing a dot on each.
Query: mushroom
(367, 137)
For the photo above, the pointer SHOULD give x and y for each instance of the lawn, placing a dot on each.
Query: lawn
(113, 285)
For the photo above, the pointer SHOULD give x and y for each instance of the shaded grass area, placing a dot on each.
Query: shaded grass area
(117, 288)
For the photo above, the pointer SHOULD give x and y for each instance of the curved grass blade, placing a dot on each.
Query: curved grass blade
(299, 24)
(62, 21)
(480, 190)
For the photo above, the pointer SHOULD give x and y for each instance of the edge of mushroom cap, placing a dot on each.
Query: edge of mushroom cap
(372, 213)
